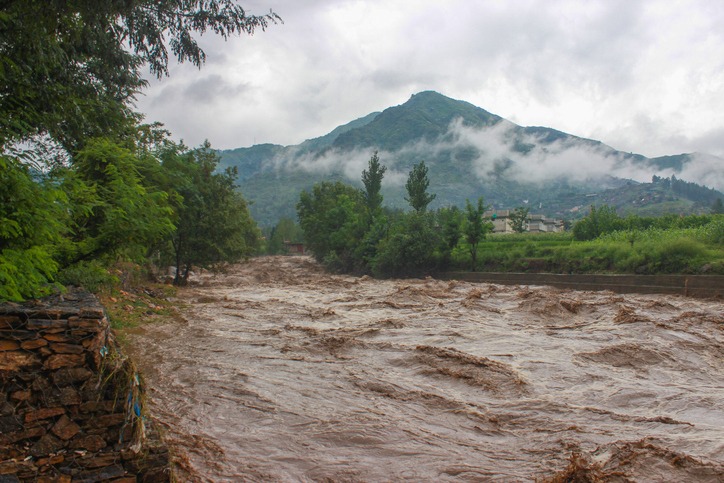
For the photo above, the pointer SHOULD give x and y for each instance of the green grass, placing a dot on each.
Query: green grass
(651, 251)
(127, 309)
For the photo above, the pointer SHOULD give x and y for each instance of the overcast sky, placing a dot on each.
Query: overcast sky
(641, 76)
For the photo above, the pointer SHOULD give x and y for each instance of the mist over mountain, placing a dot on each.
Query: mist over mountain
(471, 152)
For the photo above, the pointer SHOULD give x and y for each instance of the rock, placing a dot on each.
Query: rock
(10, 322)
(98, 406)
(40, 324)
(29, 345)
(9, 345)
(56, 337)
(65, 429)
(59, 478)
(10, 438)
(92, 313)
(78, 323)
(15, 361)
(71, 375)
(45, 445)
(60, 348)
(43, 413)
(51, 460)
(107, 420)
(58, 423)
(9, 424)
(64, 360)
(21, 395)
(103, 474)
(92, 442)
(100, 460)
(40, 384)
(69, 397)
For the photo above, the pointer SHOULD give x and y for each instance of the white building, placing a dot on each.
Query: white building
(534, 223)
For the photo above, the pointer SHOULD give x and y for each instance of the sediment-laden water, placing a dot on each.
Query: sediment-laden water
(281, 372)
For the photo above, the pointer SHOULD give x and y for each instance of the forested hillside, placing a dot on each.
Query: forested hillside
(471, 152)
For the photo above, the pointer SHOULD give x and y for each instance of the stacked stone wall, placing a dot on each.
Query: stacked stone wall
(71, 405)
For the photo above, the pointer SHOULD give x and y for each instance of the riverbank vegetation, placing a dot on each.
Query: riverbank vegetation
(347, 233)
(86, 188)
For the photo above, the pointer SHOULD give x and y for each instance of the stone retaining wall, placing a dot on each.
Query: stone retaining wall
(71, 405)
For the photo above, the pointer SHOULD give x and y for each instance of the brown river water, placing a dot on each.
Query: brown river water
(278, 371)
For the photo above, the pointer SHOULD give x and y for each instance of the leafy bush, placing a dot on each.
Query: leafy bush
(410, 248)
(91, 275)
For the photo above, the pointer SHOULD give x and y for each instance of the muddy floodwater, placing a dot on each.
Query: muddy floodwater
(281, 372)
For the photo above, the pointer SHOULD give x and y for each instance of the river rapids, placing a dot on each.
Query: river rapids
(278, 371)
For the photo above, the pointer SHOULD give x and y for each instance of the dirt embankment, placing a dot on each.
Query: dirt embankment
(281, 372)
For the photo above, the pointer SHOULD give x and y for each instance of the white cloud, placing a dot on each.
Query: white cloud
(641, 76)
(498, 149)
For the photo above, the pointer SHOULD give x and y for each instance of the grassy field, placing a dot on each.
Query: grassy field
(650, 251)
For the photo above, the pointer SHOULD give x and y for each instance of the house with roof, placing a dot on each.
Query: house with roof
(534, 224)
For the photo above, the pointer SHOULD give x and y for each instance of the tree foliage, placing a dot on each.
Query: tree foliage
(32, 223)
(213, 224)
(372, 181)
(519, 219)
(71, 69)
(600, 220)
(416, 186)
(81, 184)
(286, 230)
(475, 228)
(119, 217)
(331, 216)
(409, 250)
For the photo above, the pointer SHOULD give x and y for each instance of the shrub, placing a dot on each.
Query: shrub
(91, 275)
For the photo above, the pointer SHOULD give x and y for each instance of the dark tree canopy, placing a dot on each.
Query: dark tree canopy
(213, 224)
(417, 184)
(475, 228)
(519, 219)
(330, 215)
(70, 69)
(372, 180)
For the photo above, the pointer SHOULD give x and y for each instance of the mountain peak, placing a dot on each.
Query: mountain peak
(470, 153)
(426, 115)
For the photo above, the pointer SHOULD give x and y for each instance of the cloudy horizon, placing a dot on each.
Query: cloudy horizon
(640, 76)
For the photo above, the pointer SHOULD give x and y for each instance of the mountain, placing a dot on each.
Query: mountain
(470, 152)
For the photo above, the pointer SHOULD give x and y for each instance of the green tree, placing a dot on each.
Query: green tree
(331, 216)
(213, 224)
(33, 221)
(475, 228)
(284, 231)
(519, 219)
(114, 215)
(69, 72)
(600, 220)
(449, 221)
(72, 69)
(417, 184)
(372, 180)
(409, 249)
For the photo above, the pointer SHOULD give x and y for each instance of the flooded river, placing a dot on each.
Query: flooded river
(281, 372)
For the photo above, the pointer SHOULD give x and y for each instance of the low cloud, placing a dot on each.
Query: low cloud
(508, 151)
